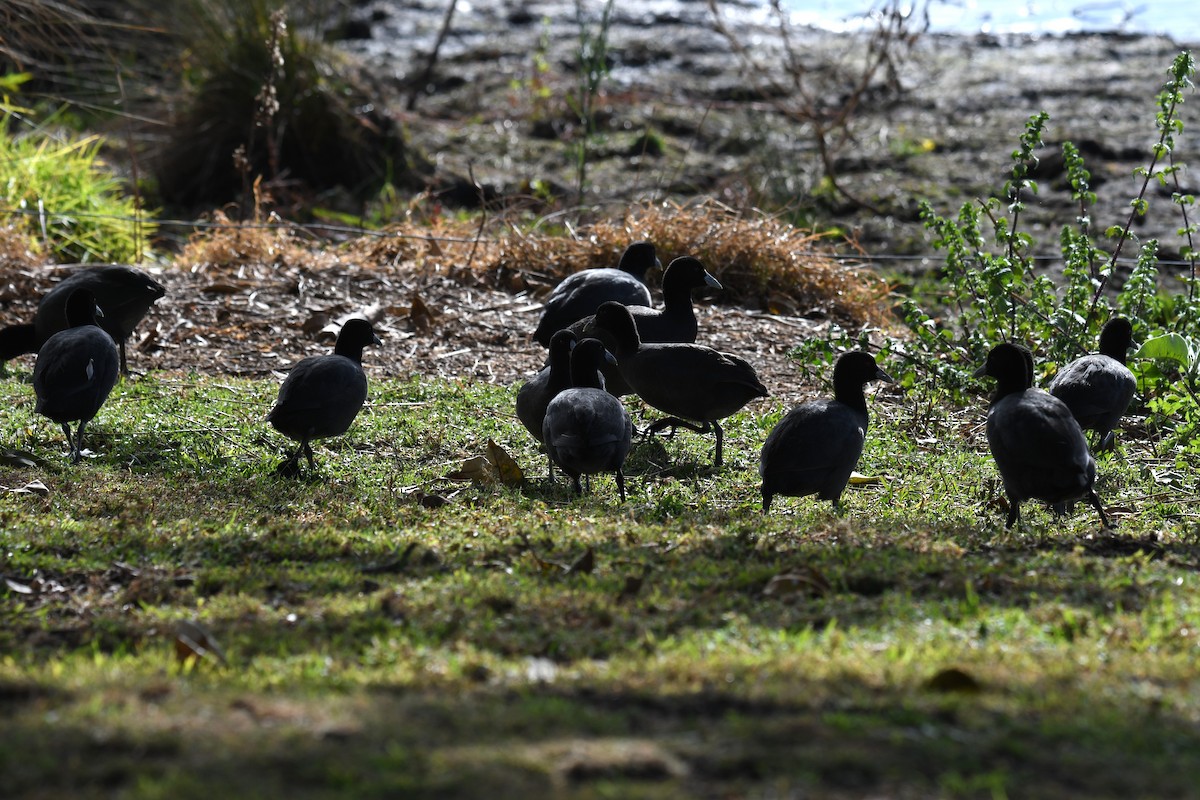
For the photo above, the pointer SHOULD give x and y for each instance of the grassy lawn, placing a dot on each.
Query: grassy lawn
(519, 642)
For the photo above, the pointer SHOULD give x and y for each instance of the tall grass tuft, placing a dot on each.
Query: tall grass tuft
(263, 97)
(58, 191)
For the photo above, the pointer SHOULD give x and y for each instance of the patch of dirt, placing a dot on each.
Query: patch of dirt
(254, 321)
(681, 114)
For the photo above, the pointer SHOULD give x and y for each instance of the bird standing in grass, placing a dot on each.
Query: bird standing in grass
(816, 446)
(124, 295)
(537, 392)
(1099, 387)
(586, 429)
(1038, 446)
(322, 395)
(75, 370)
(697, 385)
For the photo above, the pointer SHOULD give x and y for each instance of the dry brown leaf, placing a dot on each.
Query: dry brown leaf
(475, 468)
(18, 588)
(543, 565)
(315, 323)
(193, 644)
(506, 467)
(226, 288)
(17, 458)
(421, 315)
(33, 487)
(148, 341)
(805, 581)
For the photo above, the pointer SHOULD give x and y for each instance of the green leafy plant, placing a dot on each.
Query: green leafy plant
(536, 86)
(997, 295)
(592, 64)
(990, 290)
(59, 190)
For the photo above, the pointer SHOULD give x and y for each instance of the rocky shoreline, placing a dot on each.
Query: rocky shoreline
(682, 115)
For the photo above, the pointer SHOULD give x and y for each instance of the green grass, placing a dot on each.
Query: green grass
(59, 192)
(379, 648)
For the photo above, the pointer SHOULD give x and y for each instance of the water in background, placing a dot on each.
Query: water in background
(1179, 19)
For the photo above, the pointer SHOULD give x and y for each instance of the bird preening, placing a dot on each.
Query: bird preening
(123, 294)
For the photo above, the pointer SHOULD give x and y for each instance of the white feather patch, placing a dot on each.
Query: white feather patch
(91, 368)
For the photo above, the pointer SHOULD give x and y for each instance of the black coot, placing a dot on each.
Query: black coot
(123, 293)
(538, 391)
(322, 395)
(674, 322)
(1039, 448)
(586, 429)
(688, 381)
(75, 370)
(581, 293)
(816, 446)
(1099, 387)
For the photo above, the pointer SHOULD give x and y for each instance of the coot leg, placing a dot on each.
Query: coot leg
(719, 460)
(1014, 511)
(1095, 501)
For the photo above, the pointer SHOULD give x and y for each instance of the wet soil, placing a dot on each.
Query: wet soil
(682, 113)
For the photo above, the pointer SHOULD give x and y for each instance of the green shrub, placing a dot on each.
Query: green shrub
(58, 189)
(262, 96)
(991, 291)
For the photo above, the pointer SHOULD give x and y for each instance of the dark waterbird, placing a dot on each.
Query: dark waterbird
(674, 322)
(123, 293)
(586, 429)
(538, 391)
(816, 446)
(75, 370)
(1038, 446)
(322, 395)
(580, 294)
(1099, 387)
(697, 385)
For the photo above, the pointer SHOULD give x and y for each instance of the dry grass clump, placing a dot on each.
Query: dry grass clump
(762, 262)
(252, 246)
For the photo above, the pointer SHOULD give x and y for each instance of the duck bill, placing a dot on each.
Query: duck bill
(981, 372)
(711, 281)
(880, 375)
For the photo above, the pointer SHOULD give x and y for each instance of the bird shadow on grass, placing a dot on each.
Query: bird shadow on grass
(651, 458)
